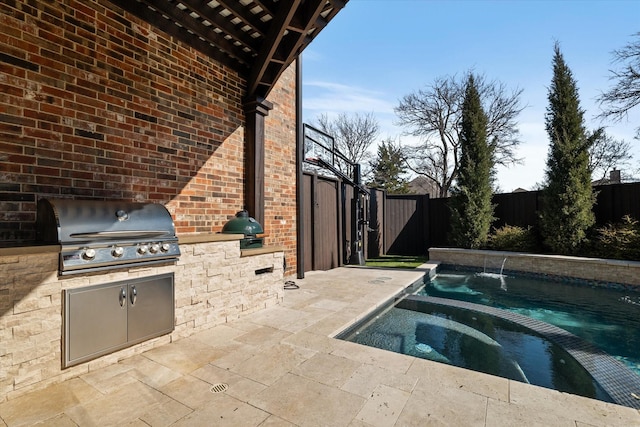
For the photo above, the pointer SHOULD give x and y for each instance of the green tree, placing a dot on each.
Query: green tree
(388, 169)
(567, 197)
(471, 207)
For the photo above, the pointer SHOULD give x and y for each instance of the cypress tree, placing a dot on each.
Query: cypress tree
(472, 210)
(388, 169)
(568, 197)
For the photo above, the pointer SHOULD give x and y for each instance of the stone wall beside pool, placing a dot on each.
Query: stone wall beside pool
(591, 269)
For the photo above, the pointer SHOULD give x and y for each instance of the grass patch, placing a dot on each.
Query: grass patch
(396, 261)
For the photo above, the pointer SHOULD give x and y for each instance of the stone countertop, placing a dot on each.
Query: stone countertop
(184, 239)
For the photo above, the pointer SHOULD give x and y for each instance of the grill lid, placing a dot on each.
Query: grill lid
(76, 222)
(99, 235)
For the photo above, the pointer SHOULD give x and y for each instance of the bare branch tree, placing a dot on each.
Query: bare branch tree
(353, 135)
(607, 154)
(625, 93)
(434, 116)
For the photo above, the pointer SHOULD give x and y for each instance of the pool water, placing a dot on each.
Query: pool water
(607, 318)
(477, 341)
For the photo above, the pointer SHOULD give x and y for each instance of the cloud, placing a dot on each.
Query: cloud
(333, 98)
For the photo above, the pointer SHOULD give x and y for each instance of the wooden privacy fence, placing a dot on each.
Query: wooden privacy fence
(411, 224)
(327, 222)
(521, 209)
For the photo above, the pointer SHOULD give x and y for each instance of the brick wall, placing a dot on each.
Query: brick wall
(95, 103)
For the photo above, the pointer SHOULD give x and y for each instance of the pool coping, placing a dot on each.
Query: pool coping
(614, 377)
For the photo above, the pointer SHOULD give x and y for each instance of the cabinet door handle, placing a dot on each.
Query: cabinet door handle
(122, 297)
(133, 295)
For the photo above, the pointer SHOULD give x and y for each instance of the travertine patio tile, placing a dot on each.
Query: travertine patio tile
(227, 411)
(270, 364)
(119, 407)
(274, 421)
(191, 392)
(442, 375)
(239, 387)
(136, 423)
(434, 404)
(166, 414)
(383, 408)
(330, 304)
(47, 403)
(305, 402)
(327, 369)
(149, 372)
(109, 378)
(374, 356)
(218, 335)
(263, 336)
(275, 317)
(183, 356)
(367, 377)
(233, 354)
(331, 325)
(61, 420)
(571, 406)
(306, 318)
(318, 343)
(504, 414)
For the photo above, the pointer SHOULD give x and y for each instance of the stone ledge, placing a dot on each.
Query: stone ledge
(596, 269)
(186, 239)
(260, 251)
(29, 250)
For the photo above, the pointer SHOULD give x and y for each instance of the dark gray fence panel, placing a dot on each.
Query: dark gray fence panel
(375, 244)
(321, 223)
(439, 219)
(406, 229)
(615, 201)
(520, 209)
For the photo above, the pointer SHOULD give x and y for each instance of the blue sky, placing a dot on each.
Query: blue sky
(376, 51)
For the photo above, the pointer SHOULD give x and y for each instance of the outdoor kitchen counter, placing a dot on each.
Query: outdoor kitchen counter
(29, 250)
(187, 239)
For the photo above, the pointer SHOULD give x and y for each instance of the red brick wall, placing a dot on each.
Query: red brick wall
(280, 171)
(97, 104)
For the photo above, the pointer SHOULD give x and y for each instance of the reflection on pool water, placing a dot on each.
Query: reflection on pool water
(607, 318)
(477, 341)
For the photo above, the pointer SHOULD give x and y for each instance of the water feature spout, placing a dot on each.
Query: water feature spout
(502, 267)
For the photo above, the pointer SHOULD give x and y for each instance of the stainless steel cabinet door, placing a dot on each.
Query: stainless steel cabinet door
(151, 306)
(95, 321)
(104, 318)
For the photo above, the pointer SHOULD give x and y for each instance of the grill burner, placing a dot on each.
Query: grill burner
(100, 235)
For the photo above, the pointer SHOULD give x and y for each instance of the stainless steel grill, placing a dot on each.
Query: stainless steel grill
(100, 235)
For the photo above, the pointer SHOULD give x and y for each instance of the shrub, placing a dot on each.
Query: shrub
(514, 239)
(616, 241)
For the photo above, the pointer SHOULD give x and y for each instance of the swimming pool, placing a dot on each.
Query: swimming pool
(504, 325)
(606, 317)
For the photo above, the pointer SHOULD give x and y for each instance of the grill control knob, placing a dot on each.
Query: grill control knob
(165, 247)
(142, 249)
(154, 248)
(117, 251)
(89, 254)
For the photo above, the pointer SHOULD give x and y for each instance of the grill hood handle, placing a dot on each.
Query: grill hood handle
(118, 234)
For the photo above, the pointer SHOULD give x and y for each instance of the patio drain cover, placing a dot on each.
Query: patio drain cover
(219, 388)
